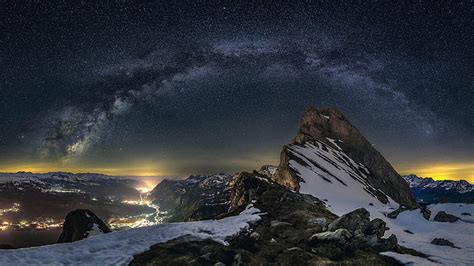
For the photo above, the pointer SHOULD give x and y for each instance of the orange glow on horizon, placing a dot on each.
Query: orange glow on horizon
(152, 171)
(442, 171)
(119, 171)
(149, 184)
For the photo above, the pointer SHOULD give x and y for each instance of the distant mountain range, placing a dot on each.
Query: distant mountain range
(329, 169)
(429, 191)
(333, 199)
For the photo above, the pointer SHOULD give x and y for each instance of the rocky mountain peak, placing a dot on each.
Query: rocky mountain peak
(325, 132)
(328, 122)
(318, 123)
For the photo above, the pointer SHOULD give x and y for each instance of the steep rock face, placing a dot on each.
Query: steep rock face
(268, 171)
(333, 149)
(80, 224)
(195, 198)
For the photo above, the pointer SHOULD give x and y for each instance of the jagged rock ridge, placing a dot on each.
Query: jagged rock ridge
(334, 151)
(461, 186)
(295, 229)
(430, 191)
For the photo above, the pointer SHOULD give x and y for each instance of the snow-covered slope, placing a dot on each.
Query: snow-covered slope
(461, 210)
(118, 248)
(331, 160)
(423, 232)
(330, 175)
(338, 153)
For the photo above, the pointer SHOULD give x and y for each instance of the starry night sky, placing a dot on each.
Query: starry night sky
(160, 89)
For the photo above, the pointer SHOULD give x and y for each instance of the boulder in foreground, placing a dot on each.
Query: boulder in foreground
(80, 224)
(445, 217)
(443, 242)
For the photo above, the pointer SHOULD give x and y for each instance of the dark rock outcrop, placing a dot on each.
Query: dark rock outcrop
(357, 231)
(246, 187)
(281, 237)
(356, 220)
(268, 171)
(395, 213)
(318, 124)
(376, 227)
(445, 217)
(80, 224)
(425, 212)
(443, 242)
(295, 228)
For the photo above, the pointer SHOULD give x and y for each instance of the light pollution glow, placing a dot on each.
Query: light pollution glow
(140, 170)
(151, 172)
(441, 171)
(146, 167)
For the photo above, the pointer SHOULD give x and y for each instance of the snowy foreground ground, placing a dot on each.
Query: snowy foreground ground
(461, 233)
(342, 198)
(118, 248)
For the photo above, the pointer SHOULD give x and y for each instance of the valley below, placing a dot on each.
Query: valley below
(333, 199)
(33, 206)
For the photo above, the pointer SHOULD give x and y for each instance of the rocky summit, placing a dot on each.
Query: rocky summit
(333, 200)
(326, 137)
(295, 229)
(298, 226)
